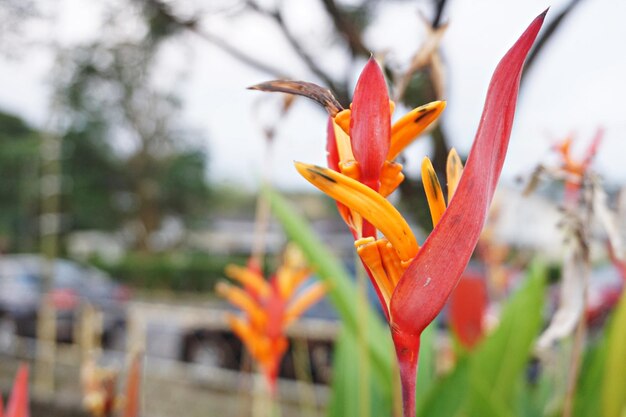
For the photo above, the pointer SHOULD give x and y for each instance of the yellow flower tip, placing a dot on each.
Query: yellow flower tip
(344, 143)
(391, 261)
(454, 169)
(432, 188)
(342, 119)
(350, 168)
(366, 202)
(293, 257)
(363, 241)
(248, 278)
(411, 125)
(391, 177)
(368, 251)
(305, 299)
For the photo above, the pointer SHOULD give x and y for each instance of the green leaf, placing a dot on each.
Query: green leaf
(614, 383)
(355, 392)
(342, 290)
(500, 360)
(448, 396)
(426, 368)
(588, 389)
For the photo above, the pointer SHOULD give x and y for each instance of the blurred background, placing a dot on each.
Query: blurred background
(131, 155)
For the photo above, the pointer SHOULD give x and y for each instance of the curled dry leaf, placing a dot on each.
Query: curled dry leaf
(301, 88)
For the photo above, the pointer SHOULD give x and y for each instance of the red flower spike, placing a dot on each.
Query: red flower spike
(370, 123)
(18, 402)
(467, 307)
(266, 315)
(426, 284)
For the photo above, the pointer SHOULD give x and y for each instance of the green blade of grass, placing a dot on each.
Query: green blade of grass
(342, 290)
(614, 384)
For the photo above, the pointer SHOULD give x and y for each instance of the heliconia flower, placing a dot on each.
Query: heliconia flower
(414, 282)
(574, 169)
(270, 306)
(18, 401)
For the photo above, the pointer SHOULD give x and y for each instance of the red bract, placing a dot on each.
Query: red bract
(370, 124)
(467, 308)
(18, 401)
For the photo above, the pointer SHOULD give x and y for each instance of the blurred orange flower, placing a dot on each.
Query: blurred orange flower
(269, 306)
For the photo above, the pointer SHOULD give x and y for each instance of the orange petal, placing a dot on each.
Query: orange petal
(304, 300)
(411, 125)
(391, 261)
(367, 202)
(391, 177)
(248, 278)
(241, 299)
(342, 119)
(367, 249)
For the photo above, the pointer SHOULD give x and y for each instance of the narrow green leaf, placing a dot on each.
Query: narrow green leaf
(589, 386)
(342, 290)
(614, 384)
(426, 367)
(355, 393)
(500, 360)
(447, 397)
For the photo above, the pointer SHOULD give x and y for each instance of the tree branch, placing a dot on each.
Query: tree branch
(346, 29)
(278, 18)
(547, 33)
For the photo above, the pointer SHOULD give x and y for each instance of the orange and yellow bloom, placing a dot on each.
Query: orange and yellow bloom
(412, 281)
(269, 307)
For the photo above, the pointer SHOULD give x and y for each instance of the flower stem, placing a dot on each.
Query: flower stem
(407, 351)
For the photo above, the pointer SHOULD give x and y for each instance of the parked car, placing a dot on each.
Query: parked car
(21, 292)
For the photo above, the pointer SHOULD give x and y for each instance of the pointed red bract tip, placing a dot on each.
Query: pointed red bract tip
(435, 271)
(133, 388)
(18, 402)
(370, 123)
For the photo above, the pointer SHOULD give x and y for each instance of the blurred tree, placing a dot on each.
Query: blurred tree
(132, 160)
(13, 16)
(94, 179)
(415, 83)
(19, 185)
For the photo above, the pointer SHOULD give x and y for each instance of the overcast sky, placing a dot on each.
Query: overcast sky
(576, 86)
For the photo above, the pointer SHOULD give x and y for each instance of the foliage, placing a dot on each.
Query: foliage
(19, 183)
(112, 102)
(175, 271)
